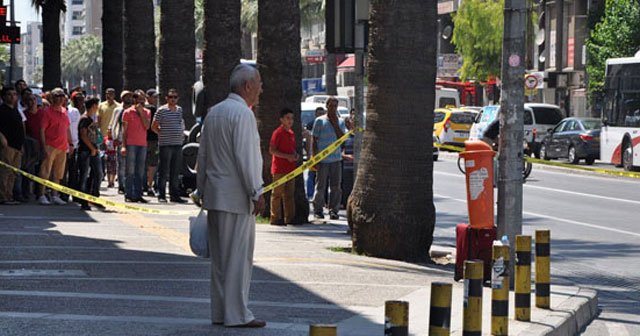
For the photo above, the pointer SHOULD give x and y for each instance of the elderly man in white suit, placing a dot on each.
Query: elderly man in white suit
(230, 182)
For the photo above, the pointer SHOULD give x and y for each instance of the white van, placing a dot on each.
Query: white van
(538, 118)
(446, 97)
(343, 101)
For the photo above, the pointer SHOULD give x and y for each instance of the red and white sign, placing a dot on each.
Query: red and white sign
(315, 56)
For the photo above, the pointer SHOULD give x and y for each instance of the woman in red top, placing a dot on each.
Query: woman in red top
(282, 147)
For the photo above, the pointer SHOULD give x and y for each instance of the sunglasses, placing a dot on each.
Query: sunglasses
(172, 97)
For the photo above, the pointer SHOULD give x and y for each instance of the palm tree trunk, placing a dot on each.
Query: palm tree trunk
(112, 40)
(280, 66)
(139, 45)
(222, 49)
(177, 65)
(51, 44)
(331, 69)
(391, 207)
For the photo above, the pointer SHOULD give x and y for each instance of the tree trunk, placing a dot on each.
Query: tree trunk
(222, 50)
(176, 64)
(280, 66)
(51, 45)
(247, 47)
(112, 41)
(331, 69)
(391, 207)
(139, 45)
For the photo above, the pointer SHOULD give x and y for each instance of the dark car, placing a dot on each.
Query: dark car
(573, 139)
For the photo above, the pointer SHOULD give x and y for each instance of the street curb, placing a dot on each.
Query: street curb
(569, 317)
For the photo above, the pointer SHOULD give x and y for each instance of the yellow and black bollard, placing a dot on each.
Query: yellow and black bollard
(472, 311)
(500, 291)
(396, 318)
(543, 269)
(523, 278)
(322, 330)
(440, 312)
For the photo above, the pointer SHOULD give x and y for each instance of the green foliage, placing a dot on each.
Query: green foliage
(5, 57)
(617, 35)
(199, 15)
(477, 35)
(82, 57)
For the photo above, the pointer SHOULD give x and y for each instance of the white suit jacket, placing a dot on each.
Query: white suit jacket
(229, 158)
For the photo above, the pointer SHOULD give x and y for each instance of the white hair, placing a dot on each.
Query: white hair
(240, 75)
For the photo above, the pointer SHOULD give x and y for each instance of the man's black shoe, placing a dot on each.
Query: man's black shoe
(162, 200)
(129, 200)
(142, 200)
(318, 215)
(150, 193)
(178, 200)
(333, 215)
(120, 191)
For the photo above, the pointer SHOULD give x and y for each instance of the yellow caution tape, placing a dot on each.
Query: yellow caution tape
(91, 198)
(590, 169)
(311, 162)
(559, 164)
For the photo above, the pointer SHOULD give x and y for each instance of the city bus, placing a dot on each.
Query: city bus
(620, 134)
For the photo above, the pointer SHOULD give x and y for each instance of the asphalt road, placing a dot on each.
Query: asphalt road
(594, 227)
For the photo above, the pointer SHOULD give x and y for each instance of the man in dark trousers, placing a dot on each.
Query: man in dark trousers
(12, 136)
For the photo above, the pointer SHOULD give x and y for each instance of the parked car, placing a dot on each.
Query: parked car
(451, 126)
(343, 101)
(574, 139)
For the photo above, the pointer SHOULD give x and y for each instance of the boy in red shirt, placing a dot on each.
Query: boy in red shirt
(282, 147)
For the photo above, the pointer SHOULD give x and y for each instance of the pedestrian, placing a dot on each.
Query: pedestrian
(75, 111)
(55, 139)
(111, 159)
(326, 130)
(12, 137)
(347, 161)
(169, 125)
(30, 149)
(106, 109)
(89, 154)
(282, 148)
(135, 123)
(152, 146)
(115, 128)
(230, 184)
(308, 136)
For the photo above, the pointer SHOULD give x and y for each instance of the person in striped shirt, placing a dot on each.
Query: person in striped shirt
(169, 125)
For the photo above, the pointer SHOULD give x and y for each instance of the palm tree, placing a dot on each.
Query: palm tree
(221, 47)
(139, 45)
(280, 65)
(112, 39)
(51, 10)
(177, 63)
(391, 207)
(82, 60)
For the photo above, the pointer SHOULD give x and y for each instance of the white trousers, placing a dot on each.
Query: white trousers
(231, 243)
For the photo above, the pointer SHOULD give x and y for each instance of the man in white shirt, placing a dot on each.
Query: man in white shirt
(230, 182)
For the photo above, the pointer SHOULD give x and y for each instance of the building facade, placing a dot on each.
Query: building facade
(81, 18)
(31, 44)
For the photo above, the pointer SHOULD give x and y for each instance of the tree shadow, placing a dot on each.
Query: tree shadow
(52, 282)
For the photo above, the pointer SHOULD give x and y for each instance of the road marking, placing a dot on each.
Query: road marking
(593, 226)
(582, 194)
(157, 298)
(142, 319)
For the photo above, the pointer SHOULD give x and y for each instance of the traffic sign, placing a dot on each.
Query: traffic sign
(531, 82)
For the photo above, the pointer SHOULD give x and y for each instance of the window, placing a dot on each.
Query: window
(572, 125)
(77, 2)
(591, 124)
(444, 102)
(77, 15)
(528, 118)
(438, 117)
(547, 115)
(463, 117)
(77, 30)
(559, 127)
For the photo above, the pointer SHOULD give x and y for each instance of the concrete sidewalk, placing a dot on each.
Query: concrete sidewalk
(64, 271)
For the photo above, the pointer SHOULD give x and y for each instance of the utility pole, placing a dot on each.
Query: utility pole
(510, 161)
(360, 38)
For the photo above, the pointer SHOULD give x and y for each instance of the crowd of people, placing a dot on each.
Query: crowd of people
(77, 141)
